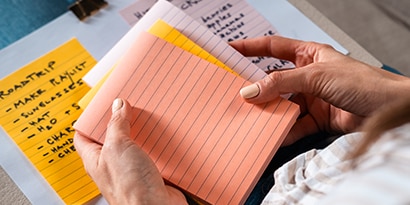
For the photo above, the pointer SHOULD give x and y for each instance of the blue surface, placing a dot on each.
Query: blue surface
(393, 70)
(21, 17)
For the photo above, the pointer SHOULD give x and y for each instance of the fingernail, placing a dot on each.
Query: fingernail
(116, 105)
(249, 91)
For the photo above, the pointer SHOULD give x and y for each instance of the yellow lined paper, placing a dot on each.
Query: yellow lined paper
(164, 31)
(38, 106)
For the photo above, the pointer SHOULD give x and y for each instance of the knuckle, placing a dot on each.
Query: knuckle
(117, 120)
(324, 46)
(323, 85)
(273, 79)
(314, 79)
(318, 46)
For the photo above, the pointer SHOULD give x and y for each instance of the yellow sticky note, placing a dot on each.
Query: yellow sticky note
(164, 31)
(38, 106)
(89, 96)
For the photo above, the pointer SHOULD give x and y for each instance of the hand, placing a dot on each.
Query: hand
(122, 171)
(335, 92)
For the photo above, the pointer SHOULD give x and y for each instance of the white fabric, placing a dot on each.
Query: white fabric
(327, 176)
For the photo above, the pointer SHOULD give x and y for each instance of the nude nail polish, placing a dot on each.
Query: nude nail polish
(249, 91)
(116, 105)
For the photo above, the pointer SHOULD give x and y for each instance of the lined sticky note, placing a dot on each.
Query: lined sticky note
(191, 121)
(228, 19)
(90, 94)
(189, 27)
(162, 30)
(38, 106)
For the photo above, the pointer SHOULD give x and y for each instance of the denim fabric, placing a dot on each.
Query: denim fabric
(388, 68)
(21, 17)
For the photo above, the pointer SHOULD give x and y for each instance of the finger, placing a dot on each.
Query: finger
(275, 46)
(118, 130)
(88, 150)
(276, 84)
(301, 100)
(304, 126)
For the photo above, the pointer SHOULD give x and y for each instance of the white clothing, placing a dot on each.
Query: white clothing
(382, 175)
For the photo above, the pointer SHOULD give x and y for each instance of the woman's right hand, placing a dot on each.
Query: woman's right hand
(335, 92)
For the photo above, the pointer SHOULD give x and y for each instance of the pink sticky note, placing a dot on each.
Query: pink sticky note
(191, 120)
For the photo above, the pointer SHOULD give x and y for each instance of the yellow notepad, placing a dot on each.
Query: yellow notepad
(38, 106)
(164, 31)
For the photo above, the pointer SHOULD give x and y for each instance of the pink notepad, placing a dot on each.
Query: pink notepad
(190, 119)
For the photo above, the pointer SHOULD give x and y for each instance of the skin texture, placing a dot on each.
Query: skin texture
(335, 94)
(122, 171)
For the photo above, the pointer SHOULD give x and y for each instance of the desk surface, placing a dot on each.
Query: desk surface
(356, 51)
(11, 194)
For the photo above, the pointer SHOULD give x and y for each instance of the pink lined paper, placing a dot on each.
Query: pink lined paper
(191, 120)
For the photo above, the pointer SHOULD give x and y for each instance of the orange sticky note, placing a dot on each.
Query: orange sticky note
(38, 105)
(190, 119)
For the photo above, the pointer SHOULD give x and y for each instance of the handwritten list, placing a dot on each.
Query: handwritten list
(230, 20)
(38, 106)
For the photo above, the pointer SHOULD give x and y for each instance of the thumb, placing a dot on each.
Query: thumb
(119, 127)
(275, 84)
